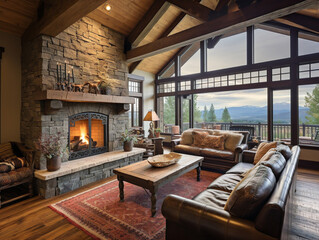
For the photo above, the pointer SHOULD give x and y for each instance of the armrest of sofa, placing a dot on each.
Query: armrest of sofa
(238, 152)
(26, 152)
(204, 220)
(248, 156)
(174, 143)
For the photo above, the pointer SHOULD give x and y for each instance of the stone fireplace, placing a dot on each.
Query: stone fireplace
(87, 134)
(95, 53)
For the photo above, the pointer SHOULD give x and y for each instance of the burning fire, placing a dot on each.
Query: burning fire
(83, 130)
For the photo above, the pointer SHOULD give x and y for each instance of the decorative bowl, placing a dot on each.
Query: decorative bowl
(164, 160)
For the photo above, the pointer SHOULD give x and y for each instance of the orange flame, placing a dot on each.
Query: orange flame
(83, 130)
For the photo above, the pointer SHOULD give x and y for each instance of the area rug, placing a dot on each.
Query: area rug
(99, 213)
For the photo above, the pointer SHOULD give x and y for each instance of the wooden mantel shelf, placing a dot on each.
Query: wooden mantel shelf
(81, 97)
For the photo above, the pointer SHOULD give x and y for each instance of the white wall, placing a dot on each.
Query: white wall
(10, 87)
(148, 95)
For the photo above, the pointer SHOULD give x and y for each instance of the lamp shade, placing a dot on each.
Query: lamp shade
(151, 116)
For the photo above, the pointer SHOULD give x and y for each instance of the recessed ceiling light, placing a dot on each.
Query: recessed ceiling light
(108, 7)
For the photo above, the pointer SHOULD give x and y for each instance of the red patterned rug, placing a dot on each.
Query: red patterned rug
(99, 213)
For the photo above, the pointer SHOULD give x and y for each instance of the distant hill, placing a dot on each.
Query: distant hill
(259, 114)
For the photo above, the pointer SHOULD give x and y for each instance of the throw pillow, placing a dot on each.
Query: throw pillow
(263, 149)
(187, 137)
(215, 142)
(6, 151)
(251, 192)
(284, 150)
(232, 140)
(17, 162)
(6, 167)
(199, 137)
(276, 163)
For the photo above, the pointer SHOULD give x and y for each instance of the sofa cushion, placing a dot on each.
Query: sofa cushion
(6, 151)
(240, 168)
(263, 149)
(213, 198)
(199, 137)
(214, 153)
(187, 149)
(284, 150)
(187, 137)
(226, 182)
(215, 142)
(276, 162)
(232, 140)
(251, 193)
(6, 167)
(14, 176)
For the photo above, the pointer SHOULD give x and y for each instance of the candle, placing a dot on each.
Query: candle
(57, 72)
(72, 74)
(60, 73)
(68, 77)
(65, 69)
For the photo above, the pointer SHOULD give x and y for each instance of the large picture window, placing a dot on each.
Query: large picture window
(135, 113)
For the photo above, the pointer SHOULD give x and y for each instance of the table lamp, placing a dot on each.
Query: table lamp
(151, 116)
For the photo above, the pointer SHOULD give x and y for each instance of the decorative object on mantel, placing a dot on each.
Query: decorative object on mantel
(128, 140)
(151, 116)
(164, 160)
(51, 147)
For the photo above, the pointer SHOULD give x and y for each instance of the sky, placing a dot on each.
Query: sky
(231, 51)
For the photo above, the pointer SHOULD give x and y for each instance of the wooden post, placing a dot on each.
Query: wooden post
(250, 45)
(1, 51)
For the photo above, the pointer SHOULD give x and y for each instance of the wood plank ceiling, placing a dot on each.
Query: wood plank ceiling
(126, 15)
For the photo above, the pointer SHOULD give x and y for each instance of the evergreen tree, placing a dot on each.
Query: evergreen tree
(169, 110)
(211, 114)
(205, 115)
(312, 102)
(226, 116)
(197, 111)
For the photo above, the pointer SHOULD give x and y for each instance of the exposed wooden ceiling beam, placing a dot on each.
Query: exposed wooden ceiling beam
(168, 30)
(60, 16)
(303, 21)
(148, 21)
(222, 4)
(259, 12)
(194, 9)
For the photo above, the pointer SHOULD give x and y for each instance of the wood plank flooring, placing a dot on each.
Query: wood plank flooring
(32, 219)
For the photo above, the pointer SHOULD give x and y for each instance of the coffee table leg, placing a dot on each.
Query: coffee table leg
(121, 187)
(153, 201)
(198, 172)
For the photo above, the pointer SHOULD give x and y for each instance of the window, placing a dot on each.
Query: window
(135, 113)
(271, 45)
(308, 44)
(192, 62)
(281, 115)
(166, 113)
(229, 52)
(168, 72)
(308, 114)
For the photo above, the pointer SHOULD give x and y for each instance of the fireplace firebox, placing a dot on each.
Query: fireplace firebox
(87, 134)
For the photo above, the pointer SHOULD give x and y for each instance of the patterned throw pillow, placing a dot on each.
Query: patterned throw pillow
(17, 162)
(6, 167)
(199, 137)
(215, 142)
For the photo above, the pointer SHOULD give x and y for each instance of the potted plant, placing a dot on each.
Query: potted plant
(128, 140)
(51, 147)
(105, 88)
(157, 132)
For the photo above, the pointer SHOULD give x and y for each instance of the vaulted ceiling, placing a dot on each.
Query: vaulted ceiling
(143, 22)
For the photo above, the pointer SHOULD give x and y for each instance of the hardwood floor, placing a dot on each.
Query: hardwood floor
(32, 219)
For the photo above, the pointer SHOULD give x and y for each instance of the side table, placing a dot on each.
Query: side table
(158, 142)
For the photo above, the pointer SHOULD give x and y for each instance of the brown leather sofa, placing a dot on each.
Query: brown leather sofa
(204, 216)
(214, 159)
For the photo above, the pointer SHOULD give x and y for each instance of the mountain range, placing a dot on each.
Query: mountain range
(259, 114)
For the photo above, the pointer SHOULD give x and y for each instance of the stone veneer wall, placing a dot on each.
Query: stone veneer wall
(70, 182)
(96, 53)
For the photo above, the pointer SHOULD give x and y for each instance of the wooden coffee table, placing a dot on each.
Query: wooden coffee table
(144, 175)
